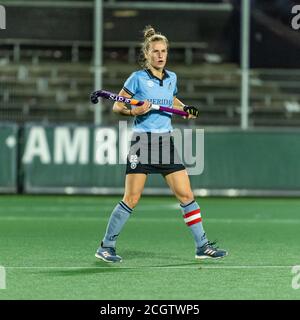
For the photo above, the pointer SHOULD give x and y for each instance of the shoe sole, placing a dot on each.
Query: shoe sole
(208, 257)
(103, 259)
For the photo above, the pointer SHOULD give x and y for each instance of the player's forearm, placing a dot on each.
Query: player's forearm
(192, 111)
(177, 104)
(120, 108)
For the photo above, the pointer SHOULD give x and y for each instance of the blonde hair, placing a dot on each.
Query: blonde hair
(150, 35)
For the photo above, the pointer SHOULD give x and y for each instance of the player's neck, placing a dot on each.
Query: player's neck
(159, 73)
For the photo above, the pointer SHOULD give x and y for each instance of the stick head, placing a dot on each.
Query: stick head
(94, 98)
(103, 94)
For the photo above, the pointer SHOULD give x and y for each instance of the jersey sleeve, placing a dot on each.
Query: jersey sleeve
(131, 84)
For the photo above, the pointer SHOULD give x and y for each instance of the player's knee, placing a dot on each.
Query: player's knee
(186, 197)
(132, 200)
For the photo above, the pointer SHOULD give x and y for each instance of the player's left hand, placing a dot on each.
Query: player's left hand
(192, 111)
(146, 107)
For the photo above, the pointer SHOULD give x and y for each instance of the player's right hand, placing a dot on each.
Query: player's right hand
(146, 107)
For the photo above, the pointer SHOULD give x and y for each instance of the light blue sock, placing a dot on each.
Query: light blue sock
(192, 218)
(118, 218)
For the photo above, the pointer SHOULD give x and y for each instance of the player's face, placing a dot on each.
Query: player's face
(157, 54)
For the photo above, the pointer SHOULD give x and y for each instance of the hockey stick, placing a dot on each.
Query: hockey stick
(111, 96)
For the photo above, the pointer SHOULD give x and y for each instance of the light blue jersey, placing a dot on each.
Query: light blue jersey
(143, 85)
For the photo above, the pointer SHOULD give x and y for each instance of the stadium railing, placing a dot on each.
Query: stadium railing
(36, 50)
(31, 87)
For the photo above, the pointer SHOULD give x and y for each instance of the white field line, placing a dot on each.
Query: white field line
(153, 267)
(83, 208)
(141, 219)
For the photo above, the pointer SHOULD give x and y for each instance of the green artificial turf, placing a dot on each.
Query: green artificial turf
(48, 245)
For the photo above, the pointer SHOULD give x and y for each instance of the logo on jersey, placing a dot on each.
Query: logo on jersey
(150, 83)
(133, 165)
(170, 86)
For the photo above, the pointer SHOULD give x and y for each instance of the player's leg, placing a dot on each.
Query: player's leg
(179, 183)
(134, 185)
